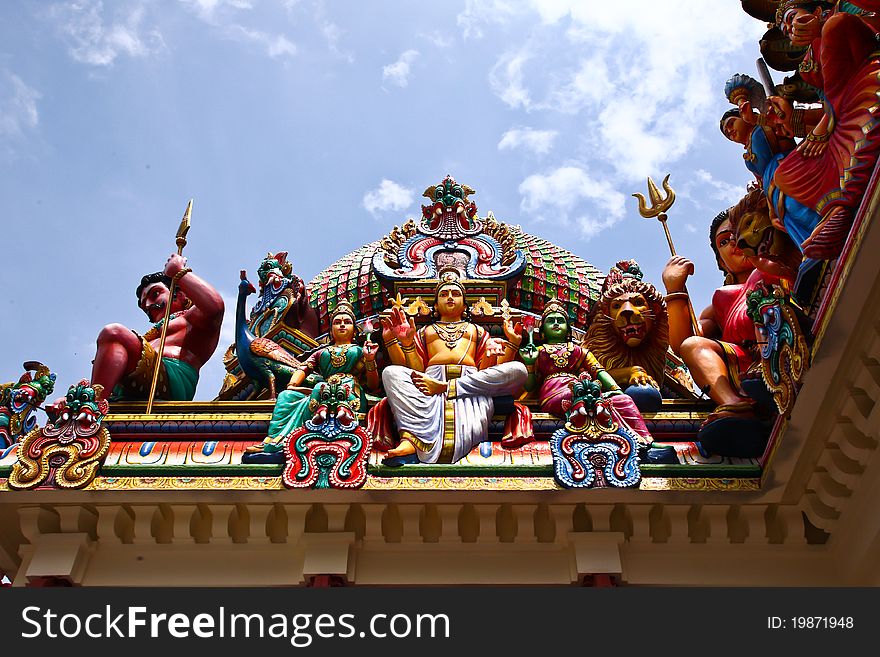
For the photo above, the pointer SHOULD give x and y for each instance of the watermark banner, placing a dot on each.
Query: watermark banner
(435, 620)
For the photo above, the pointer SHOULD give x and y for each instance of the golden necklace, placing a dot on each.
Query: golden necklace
(451, 332)
(338, 354)
(156, 330)
(559, 353)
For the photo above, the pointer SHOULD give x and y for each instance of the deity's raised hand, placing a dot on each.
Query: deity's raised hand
(676, 272)
(513, 332)
(398, 327)
(746, 113)
(173, 265)
(779, 113)
(804, 29)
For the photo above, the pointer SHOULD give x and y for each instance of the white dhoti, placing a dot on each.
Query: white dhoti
(445, 428)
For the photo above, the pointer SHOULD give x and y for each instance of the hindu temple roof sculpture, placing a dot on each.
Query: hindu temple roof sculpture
(535, 270)
(460, 354)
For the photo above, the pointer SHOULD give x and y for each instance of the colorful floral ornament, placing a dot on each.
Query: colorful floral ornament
(785, 356)
(593, 450)
(332, 449)
(68, 451)
(19, 401)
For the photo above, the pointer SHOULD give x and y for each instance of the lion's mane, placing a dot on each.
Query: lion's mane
(606, 344)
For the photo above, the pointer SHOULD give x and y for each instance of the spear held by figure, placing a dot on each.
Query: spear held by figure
(659, 206)
(182, 230)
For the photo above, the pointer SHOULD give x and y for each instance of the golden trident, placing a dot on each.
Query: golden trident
(181, 242)
(659, 206)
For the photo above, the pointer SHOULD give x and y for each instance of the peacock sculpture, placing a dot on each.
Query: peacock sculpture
(264, 361)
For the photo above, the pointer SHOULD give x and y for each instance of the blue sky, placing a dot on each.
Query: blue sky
(313, 127)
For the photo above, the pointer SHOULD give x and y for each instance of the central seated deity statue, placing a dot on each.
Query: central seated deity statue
(444, 376)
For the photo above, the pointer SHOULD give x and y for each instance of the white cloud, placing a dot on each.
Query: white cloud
(332, 33)
(437, 38)
(719, 189)
(18, 106)
(648, 86)
(275, 45)
(587, 85)
(479, 12)
(570, 196)
(220, 14)
(537, 141)
(388, 196)
(506, 79)
(398, 72)
(208, 10)
(97, 38)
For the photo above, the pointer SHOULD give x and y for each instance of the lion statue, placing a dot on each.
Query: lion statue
(629, 334)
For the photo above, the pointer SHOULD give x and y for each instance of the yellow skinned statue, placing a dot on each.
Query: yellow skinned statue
(443, 378)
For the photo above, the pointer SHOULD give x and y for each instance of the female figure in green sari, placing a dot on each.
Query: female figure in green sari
(342, 360)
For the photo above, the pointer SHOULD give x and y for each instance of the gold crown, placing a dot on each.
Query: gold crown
(449, 276)
(783, 8)
(554, 306)
(344, 307)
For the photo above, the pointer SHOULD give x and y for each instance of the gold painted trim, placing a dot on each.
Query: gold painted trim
(137, 407)
(415, 440)
(168, 417)
(845, 269)
(707, 484)
(186, 483)
(447, 452)
(453, 372)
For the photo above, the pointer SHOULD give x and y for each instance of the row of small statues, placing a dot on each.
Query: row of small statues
(441, 380)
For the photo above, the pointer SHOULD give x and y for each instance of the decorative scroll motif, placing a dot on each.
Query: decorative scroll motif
(332, 449)
(449, 234)
(68, 451)
(593, 450)
(785, 356)
(19, 401)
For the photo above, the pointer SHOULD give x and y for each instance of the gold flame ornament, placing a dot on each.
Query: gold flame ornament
(482, 308)
(418, 307)
(399, 301)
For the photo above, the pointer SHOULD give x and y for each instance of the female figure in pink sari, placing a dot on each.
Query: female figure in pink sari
(557, 362)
